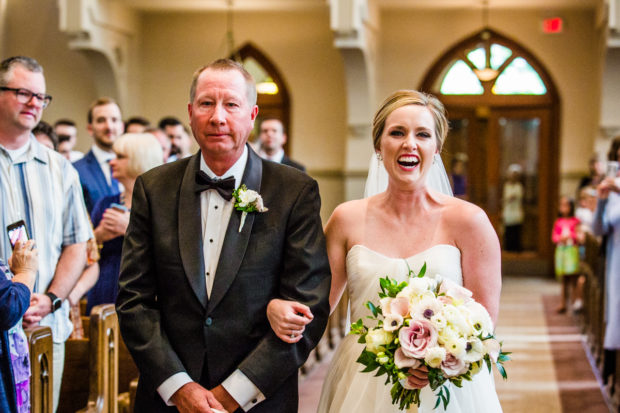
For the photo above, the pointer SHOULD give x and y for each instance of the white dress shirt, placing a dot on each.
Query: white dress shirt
(104, 158)
(215, 214)
(277, 157)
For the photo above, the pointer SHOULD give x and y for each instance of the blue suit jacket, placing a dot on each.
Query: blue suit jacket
(94, 184)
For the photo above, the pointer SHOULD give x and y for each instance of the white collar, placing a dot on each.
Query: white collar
(236, 170)
(101, 155)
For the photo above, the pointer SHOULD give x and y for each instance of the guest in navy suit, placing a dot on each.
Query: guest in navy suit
(14, 301)
(105, 125)
(272, 139)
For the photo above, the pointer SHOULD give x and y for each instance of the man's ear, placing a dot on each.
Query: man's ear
(284, 138)
(89, 128)
(254, 112)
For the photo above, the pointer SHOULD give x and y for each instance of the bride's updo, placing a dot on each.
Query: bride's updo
(402, 98)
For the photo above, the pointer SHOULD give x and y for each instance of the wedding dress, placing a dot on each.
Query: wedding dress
(346, 389)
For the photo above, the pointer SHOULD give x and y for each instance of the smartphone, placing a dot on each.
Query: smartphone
(612, 169)
(120, 207)
(17, 231)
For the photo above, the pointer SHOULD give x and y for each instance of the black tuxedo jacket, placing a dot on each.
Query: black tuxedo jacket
(168, 322)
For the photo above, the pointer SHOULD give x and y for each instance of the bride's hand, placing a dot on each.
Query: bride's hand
(288, 319)
(418, 378)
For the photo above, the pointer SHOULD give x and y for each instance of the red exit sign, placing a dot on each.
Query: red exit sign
(553, 25)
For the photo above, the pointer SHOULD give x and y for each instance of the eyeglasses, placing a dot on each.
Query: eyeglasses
(24, 95)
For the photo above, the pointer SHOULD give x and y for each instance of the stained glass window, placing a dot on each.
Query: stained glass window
(517, 78)
(461, 80)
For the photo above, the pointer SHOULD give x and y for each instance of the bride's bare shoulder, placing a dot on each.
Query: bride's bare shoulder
(462, 214)
(347, 212)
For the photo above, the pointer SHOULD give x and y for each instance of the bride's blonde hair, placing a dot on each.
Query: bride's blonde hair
(402, 98)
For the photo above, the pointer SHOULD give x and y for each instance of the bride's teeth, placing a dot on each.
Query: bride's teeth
(409, 161)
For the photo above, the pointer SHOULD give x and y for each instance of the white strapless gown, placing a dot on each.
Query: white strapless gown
(346, 389)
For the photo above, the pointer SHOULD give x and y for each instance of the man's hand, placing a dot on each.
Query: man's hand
(193, 398)
(227, 400)
(40, 306)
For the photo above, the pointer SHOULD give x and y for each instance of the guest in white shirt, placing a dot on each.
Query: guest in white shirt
(105, 125)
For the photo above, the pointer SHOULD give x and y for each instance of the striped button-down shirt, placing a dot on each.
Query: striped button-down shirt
(42, 188)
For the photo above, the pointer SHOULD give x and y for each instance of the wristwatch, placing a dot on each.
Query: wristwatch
(56, 302)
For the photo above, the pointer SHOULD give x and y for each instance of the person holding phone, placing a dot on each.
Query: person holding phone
(607, 222)
(16, 286)
(136, 153)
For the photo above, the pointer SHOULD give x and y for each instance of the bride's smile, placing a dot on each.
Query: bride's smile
(409, 143)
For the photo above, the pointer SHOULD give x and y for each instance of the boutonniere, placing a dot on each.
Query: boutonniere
(247, 200)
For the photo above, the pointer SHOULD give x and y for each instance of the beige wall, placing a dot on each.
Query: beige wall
(299, 44)
(411, 41)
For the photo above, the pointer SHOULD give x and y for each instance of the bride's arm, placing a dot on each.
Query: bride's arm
(481, 257)
(336, 232)
(289, 318)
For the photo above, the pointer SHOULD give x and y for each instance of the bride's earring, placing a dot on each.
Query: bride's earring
(379, 157)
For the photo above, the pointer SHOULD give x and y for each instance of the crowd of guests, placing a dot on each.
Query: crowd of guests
(76, 206)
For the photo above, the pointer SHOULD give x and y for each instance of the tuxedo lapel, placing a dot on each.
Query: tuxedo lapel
(235, 242)
(190, 231)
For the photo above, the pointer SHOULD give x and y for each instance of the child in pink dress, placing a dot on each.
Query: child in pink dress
(564, 235)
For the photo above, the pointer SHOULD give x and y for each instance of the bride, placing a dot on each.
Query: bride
(407, 225)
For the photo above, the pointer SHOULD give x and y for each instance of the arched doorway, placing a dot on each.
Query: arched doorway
(273, 96)
(503, 108)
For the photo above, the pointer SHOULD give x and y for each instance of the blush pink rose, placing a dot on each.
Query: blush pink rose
(402, 361)
(453, 366)
(415, 339)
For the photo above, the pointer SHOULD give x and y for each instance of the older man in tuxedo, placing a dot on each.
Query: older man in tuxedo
(197, 273)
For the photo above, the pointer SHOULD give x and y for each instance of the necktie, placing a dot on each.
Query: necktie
(224, 186)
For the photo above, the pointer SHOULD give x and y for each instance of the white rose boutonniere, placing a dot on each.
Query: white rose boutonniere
(247, 200)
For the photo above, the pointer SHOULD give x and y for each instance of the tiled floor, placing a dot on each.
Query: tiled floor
(549, 371)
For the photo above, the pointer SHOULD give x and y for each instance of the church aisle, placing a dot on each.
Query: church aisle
(549, 371)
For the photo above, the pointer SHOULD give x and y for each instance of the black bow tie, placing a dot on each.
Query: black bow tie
(225, 187)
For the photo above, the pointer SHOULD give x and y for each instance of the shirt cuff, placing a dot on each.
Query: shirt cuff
(243, 390)
(171, 385)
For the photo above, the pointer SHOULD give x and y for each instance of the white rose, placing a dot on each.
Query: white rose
(455, 319)
(435, 356)
(249, 196)
(420, 285)
(376, 339)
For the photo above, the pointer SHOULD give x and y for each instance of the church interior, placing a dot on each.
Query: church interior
(525, 82)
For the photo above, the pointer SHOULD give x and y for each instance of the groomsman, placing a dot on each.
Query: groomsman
(105, 125)
(272, 139)
(197, 273)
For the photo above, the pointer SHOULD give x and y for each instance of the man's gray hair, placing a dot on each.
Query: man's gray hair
(226, 64)
(7, 65)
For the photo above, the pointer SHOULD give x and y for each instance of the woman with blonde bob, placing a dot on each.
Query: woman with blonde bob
(136, 153)
(402, 225)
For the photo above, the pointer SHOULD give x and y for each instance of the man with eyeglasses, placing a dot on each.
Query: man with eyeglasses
(40, 187)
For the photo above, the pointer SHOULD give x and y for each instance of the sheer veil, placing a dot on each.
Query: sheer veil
(377, 179)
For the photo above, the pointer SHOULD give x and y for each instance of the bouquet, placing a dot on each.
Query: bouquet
(430, 322)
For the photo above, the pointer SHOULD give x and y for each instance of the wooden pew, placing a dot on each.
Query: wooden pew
(90, 379)
(41, 356)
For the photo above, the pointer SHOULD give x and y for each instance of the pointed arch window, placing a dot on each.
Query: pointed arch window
(492, 67)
